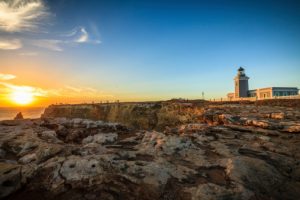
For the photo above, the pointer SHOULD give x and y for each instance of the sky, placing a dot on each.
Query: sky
(73, 51)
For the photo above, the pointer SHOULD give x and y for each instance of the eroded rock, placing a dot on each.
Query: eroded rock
(19, 116)
(213, 151)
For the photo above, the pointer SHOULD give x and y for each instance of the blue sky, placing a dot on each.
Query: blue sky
(150, 50)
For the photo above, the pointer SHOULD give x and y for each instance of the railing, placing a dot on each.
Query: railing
(255, 98)
(287, 97)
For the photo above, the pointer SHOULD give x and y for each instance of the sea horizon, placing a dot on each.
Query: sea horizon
(9, 112)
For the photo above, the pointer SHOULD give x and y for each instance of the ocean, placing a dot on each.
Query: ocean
(11, 112)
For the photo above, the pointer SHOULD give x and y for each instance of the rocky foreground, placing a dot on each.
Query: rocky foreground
(225, 151)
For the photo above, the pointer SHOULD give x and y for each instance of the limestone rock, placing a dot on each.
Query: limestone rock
(155, 142)
(48, 134)
(18, 116)
(259, 175)
(292, 129)
(28, 158)
(196, 127)
(10, 178)
(101, 138)
(186, 151)
(212, 191)
(278, 115)
(76, 169)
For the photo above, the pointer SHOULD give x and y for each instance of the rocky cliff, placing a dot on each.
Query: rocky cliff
(157, 115)
(198, 151)
(135, 115)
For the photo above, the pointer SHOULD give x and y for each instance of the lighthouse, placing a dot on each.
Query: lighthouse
(241, 84)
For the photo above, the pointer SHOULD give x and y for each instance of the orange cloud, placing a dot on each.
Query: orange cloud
(5, 77)
(10, 44)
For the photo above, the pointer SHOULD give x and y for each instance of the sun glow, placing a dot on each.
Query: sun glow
(22, 97)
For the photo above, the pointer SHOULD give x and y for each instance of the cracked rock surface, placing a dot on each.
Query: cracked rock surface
(228, 151)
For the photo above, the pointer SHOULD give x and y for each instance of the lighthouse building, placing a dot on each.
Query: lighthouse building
(242, 89)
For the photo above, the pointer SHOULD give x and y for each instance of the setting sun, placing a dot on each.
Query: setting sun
(22, 97)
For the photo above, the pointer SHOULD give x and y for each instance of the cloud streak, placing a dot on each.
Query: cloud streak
(78, 35)
(6, 77)
(21, 15)
(10, 44)
(7, 88)
(54, 45)
(28, 54)
(65, 94)
(35, 91)
(79, 92)
(81, 35)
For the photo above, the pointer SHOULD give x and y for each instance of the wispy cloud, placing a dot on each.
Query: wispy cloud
(5, 77)
(83, 37)
(91, 89)
(21, 15)
(54, 45)
(10, 44)
(77, 92)
(28, 54)
(29, 16)
(69, 33)
(73, 89)
(78, 35)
